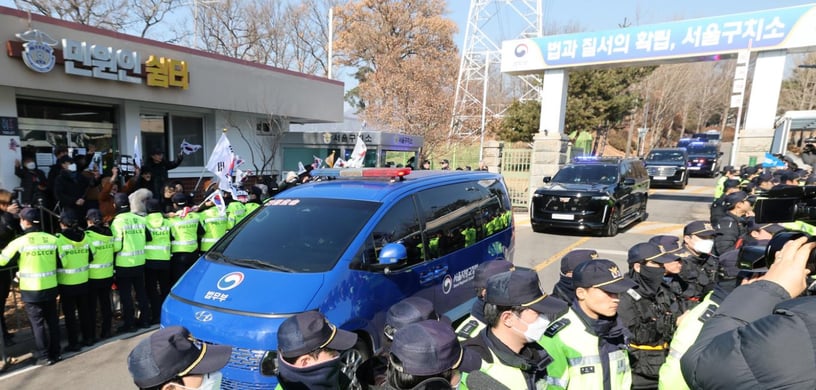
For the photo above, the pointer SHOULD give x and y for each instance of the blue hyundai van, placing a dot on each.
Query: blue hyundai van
(349, 246)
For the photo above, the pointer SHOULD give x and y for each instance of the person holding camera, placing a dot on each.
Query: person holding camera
(759, 335)
(734, 225)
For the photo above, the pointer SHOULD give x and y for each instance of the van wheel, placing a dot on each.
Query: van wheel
(351, 360)
(612, 225)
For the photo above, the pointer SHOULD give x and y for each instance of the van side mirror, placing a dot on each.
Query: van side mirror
(391, 256)
(547, 179)
(629, 181)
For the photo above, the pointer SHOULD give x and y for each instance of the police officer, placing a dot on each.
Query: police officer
(564, 289)
(236, 211)
(517, 313)
(100, 269)
(158, 274)
(403, 313)
(475, 322)
(309, 350)
(699, 264)
(650, 312)
(587, 344)
(729, 172)
(761, 232)
(728, 278)
(72, 275)
(426, 355)
(717, 209)
(215, 224)
(734, 224)
(36, 254)
(185, 230)
(130, 236)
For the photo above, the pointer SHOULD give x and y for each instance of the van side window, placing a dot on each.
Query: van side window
(450, 214)
(495, 214)
(400, 224)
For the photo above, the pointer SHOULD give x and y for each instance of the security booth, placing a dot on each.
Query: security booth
(382, 149)
(793, 130)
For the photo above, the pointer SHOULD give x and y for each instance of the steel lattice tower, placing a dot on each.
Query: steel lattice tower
(482, 92)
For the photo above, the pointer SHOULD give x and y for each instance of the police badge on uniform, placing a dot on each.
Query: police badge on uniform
(39, 50)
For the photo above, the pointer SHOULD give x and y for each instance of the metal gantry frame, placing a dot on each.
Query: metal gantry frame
(480, 63)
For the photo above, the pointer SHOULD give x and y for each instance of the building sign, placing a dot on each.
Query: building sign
(9, 126)
(80, 58)
(782, 28)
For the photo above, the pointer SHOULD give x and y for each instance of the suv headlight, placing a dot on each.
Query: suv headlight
(600, 197)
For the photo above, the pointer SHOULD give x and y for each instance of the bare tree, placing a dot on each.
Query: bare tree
(799, 90)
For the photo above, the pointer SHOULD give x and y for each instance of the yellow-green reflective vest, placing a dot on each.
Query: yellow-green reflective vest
(74, 256)
(38, 260)
(470, 236)
(577, 360)
(101, 266)
(800, 226)
(184, 233)
(719, 187)
(250, 207)
(215, 226)
(687, 331)
(507, 375)
(469, 328)
(158, 248)
(129, 240)
(235, 213)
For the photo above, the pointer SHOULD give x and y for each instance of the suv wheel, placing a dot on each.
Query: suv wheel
(351, 360)
(612, 225)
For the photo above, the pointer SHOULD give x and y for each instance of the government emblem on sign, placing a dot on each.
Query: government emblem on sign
(39, 50)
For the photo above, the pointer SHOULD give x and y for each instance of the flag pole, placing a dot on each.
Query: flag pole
(204, 169)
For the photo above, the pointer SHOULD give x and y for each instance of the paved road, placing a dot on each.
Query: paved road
(105, 366)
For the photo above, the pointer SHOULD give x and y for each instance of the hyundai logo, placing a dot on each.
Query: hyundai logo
(230, 281)
(203, 316)
(521, 50)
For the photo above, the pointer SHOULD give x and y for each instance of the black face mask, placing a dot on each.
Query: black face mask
(323, 376)
(651, 276)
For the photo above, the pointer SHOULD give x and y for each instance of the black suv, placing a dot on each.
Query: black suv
(597, 194)
(667, 167)
(703, 158)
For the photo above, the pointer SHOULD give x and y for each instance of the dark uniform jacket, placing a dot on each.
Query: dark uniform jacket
(731, 229)
(699, 272)
(766, 344)
(564, 289)
(650, 315)
(717, 210)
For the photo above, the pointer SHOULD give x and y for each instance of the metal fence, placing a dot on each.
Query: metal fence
(515, 167)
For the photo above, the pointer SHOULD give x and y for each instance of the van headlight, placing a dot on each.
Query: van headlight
(269, 363)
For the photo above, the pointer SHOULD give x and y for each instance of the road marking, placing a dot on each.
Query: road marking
(559, 255)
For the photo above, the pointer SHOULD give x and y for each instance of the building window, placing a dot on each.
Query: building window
(167, 131)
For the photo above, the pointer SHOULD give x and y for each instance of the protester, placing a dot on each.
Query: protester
(33, 182)
(171, 359)
(70, 186)
(158, 167)
(9, 229)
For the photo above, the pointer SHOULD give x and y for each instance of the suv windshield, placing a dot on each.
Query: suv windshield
(295, 235)
(702, 149)
(587, 174)
(666, 155)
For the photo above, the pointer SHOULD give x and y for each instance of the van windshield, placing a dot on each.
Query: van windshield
(587, 174)
(295, 235)
(702, 149)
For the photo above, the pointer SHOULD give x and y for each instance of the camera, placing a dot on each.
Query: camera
(759, 258)
(786, 203)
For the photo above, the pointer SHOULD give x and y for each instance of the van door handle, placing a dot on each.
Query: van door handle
(426, 277)
(440, 271)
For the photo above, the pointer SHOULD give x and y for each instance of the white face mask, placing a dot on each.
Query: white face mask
(703, 246)
(72, 167)
(536, 329)
(212, 381)
(30, 165)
